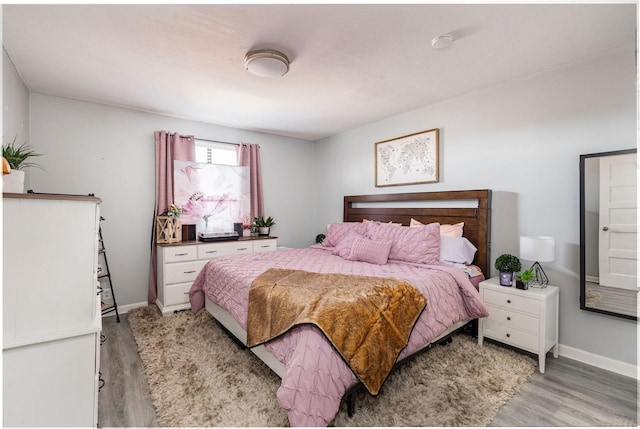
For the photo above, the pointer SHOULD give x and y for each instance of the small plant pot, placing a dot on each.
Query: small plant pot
(522, 285)
(263, 230)
(13, 182)
(506, 278)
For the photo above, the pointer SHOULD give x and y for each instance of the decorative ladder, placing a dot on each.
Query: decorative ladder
(104, 276)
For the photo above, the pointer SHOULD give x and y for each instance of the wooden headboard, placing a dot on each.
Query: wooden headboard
(476, 215)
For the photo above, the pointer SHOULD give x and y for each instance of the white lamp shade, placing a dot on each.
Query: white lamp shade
(537, 249)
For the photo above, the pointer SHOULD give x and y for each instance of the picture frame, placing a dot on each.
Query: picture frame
(408, 160)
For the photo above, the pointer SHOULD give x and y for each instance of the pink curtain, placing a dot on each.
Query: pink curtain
(169, 147)
(249, 156)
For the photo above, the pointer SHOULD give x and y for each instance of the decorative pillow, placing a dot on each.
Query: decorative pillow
(337, 231)
(454, 230)
(355, 247)
(457, 249)
(418, 245)
(375, 221)
(343, 248)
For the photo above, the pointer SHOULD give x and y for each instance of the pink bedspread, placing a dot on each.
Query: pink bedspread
(316, 377)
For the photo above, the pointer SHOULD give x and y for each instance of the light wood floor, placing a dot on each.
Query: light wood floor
(568, 394)
(613, 299)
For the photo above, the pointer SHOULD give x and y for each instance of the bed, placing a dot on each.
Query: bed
(316, 373)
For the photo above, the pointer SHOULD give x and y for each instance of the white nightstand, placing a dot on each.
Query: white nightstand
(526, 319)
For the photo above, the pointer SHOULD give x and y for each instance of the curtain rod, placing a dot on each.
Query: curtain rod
(213, 141)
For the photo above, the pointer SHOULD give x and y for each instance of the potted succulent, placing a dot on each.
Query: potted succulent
(263, 225)
(523, 279)
(17, 157)
(507, 264)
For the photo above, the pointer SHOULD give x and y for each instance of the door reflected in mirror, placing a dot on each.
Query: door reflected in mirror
(608, 233)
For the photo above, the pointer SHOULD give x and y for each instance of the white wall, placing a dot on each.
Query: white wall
(108, 151)
(523, 140)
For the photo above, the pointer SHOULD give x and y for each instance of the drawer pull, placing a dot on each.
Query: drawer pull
(508, 301)
(265, 246)
(211, 251)
(508, 335)
(181, 254)
(508, 317)
(190, 272)
(242, 248)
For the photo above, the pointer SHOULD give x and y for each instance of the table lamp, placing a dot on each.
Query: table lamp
(538, 249)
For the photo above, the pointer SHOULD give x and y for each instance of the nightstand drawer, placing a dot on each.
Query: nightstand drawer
(513, 319)
(514, 302)
(180, 253)
(182, 272)
(509, 335)
(177, 294)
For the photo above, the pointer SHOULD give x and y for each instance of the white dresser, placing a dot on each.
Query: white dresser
(51, 310)
(526, 319)
(180, 263)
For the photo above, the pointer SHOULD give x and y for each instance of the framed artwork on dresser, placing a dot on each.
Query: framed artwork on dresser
(408, 160)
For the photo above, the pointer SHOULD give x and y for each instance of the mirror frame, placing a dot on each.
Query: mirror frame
(583, 306)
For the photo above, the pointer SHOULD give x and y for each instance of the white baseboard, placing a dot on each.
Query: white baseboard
(623, 368)
(124, 309)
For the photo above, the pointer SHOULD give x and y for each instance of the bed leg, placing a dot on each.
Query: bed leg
(351, 405)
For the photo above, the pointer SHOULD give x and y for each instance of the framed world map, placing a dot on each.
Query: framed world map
(408, 160)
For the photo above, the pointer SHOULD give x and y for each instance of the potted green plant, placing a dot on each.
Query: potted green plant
(263, 225)
(507, 264)
(523, 279)
(18, 158)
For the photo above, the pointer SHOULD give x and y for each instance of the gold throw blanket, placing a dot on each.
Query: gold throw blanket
(367, 319)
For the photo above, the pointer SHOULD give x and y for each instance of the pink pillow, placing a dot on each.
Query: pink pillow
(454, 230)
(355, 247)
(418, 245)
(336, 232)
(343, 248)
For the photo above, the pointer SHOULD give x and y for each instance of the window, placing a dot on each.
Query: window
(216, 153)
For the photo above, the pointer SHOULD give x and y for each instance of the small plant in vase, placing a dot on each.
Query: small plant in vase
(523, 279)
(263, 225)
(507, 264)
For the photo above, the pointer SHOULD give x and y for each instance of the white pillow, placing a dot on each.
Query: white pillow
(456, 249)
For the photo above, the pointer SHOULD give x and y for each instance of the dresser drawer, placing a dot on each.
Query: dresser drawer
(180, 253)
(216, 250)
(513, 319)
(182, 272)
(512, 301)
(509, 335)
(177, 294)
(265, 246)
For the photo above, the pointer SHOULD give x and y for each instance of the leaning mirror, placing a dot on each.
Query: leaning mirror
(608, 233)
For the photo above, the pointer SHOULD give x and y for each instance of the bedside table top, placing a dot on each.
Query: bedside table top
(533, 292)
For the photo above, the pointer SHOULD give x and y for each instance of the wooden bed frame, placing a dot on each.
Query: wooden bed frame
(475, 213)
(477, 218)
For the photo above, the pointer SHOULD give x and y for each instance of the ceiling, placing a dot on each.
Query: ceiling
(350, 64)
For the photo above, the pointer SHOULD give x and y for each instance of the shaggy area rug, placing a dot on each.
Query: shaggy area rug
(199, 377)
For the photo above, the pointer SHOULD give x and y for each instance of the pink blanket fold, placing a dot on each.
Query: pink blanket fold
(316, 376)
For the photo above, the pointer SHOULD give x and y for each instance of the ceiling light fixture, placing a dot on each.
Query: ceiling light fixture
(442, 42)
(266, 63)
